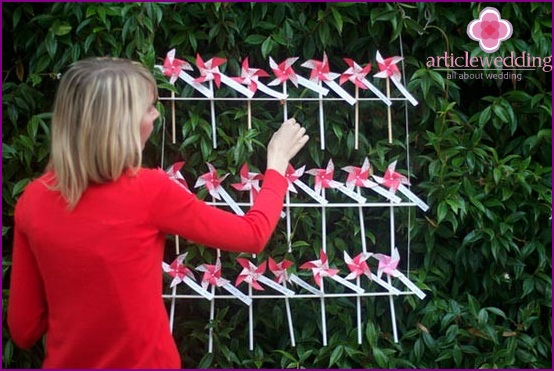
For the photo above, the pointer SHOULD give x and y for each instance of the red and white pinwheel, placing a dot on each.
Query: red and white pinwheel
(356, 74)
(324, 179)
(320, 268)
(177, 270)
(321, 73)
(359, 177)
(250, 78)
(280, 269)
(389, 266)
(174, 172)
(213, 183)
(293, 178)
(357, 265)
(388, 69)
(250, 273)
(248, 181)
(181, 273)
(212, 276)
(395, 181)
(172, 66)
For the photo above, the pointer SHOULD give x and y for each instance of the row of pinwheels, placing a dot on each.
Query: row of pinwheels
(249, 81)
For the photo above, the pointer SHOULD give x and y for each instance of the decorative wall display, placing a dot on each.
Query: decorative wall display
(358, 279)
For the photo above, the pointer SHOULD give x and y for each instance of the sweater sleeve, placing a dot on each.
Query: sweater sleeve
(27, 308)
(176, 211)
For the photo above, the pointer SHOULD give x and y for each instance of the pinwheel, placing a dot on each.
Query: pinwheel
(389, 264)
(284, 72)
(174, 174)
(389, 71)
(209, 71)
(213, 184)
(180, 273)
(356, 74)
(395, 181)
(320, 73)
(250, 78)
(248, 182)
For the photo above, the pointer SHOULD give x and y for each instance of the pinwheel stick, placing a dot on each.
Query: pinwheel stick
(285, 114)
(321, 123)
(289, 317)
(249, 113)
(359, 312)
(288, 221)
(212, 113)
(389, 111)
(250, 320)
(324, 247)
(174, 138)
(356, 117)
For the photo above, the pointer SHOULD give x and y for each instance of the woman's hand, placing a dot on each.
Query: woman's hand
(285, 144)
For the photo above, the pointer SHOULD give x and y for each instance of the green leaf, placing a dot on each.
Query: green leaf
(335, 356)
(255, 39)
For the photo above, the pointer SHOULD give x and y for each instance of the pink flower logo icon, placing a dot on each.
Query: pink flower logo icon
(490, 30)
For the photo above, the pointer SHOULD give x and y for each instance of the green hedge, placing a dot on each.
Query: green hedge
(479, 152)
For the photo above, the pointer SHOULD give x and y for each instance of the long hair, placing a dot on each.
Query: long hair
(98, 110)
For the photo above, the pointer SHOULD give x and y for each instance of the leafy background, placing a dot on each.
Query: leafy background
(479, 152)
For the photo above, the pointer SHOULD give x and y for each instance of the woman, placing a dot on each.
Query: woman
(90, 232)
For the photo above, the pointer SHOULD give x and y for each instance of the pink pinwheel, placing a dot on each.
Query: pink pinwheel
(293, 175)
(357, 265)
(320, 268)
(283, 71)
(250, 273)
(248, 181)
(324, 177)
(249, 76)
(211, 181)
(388, 67)
(320, 69)
(212, 275)
(358, 176)
(175, 174)
(209, 70)
(392, 179)
(280, 269)
(355, 74)
(177, 270)
(388, 264)
(172, 66)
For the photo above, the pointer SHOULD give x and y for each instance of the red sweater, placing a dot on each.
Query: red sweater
(91, 278)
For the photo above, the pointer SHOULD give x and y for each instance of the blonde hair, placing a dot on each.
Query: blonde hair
(96, 123)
